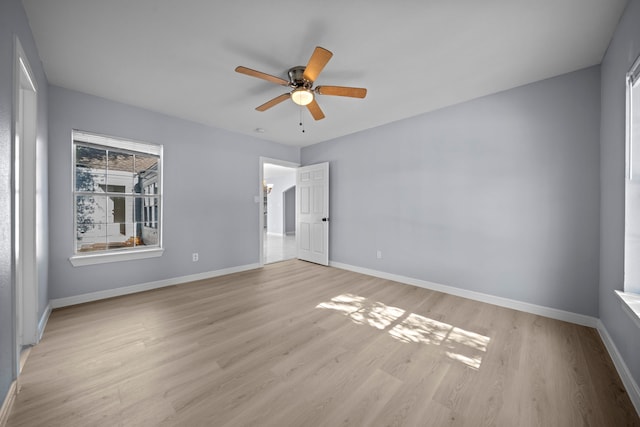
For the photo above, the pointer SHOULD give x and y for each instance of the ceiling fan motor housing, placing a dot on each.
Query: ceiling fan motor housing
(296, 78)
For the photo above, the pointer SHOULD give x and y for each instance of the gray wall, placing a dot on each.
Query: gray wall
(13, 21)
(624, 48)
(497, 195)
(290, 210)
(210, 179)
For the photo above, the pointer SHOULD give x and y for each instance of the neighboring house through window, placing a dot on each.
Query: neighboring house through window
(117, 188)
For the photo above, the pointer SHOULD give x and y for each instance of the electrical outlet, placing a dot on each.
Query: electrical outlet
(194, 256)
(379, 254)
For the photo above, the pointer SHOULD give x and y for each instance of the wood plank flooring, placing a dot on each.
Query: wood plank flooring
(295, 344)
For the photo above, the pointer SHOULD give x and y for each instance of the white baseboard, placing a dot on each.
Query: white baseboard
(627, 379)
(552, 313)
(7, 404)
(110, 293)
(43, 322)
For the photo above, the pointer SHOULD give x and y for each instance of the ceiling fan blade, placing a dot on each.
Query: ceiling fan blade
(261, 75)
(315, 110)
(316, 63)
(275, 101)
(353, 92)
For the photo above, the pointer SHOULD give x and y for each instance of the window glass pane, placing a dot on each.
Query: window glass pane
(91, 167)
(138, 209)
(121, 235)
(122, 228)
(90, 210)
(146, 209)
(146, 169)
(92, 242)
(120, 209)
(149, 233)
(120, 172)
(91, 216)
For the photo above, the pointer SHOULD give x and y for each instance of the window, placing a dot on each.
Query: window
(117, 198)
(631, 294)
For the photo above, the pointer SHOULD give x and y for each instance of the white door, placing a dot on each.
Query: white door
(312, 213)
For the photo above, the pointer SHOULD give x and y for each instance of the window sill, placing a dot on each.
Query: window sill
(81, 260)
(631, 305)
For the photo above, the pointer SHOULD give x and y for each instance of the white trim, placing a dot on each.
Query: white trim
(43, 321)
(102, 258)
(553, 313)
(630, 305)
(26, 200)
(625, 375)
(110, 293)
(24, 65)
(121, 143)
(8, 404)
(278, 162)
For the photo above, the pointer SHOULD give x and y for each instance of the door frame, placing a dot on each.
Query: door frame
(25, 204)
(259, 199)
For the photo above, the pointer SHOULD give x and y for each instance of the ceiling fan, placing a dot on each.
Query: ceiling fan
(301, 81)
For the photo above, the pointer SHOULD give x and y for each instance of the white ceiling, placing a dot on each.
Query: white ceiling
(413, 56)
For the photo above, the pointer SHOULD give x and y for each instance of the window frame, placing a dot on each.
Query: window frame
(630, 299)
(79, 137)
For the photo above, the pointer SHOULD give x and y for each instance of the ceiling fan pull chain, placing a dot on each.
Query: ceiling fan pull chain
(301, 120)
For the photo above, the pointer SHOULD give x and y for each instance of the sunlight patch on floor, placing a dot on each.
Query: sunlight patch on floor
(458, 344)
(362, 311)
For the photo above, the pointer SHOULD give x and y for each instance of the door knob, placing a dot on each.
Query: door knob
(325, 219)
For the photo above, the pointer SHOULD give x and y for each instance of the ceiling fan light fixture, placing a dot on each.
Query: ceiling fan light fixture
(302, 96)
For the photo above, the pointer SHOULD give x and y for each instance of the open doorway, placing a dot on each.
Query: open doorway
(278, 238)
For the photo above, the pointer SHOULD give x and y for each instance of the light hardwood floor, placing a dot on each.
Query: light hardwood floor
(295, 344)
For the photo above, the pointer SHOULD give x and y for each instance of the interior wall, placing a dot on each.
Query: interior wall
(13, 21)
(623, 50)
(290, 210)
(498, 195)
(210, 182)
(275, 205)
